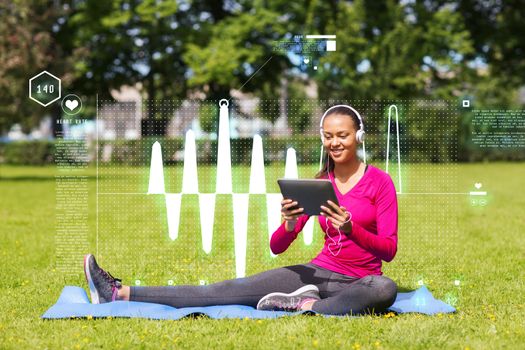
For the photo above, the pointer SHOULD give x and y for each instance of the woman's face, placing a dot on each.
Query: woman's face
(339, 137)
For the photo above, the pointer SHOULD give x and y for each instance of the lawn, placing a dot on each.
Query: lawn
(442, 239)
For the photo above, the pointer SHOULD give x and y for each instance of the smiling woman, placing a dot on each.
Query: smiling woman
(341, 129)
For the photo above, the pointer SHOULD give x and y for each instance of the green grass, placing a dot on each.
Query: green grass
(441, 238)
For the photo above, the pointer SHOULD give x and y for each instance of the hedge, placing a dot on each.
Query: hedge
(138, 152)
(27, 152)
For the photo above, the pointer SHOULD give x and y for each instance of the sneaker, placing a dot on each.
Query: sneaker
(289, 302)
(102, 286)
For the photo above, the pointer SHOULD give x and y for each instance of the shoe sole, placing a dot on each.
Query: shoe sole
(307, 288)
(92, 290)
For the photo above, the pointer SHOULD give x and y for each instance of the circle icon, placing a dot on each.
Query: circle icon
(71, 104)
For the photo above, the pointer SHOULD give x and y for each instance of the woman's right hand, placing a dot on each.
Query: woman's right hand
(290, 213)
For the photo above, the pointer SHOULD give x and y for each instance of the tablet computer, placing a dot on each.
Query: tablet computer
(310, 194)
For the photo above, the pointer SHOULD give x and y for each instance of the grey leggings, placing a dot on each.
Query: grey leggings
(340, 294)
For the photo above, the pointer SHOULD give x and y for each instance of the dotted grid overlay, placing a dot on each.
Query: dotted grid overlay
(428, 196)
(133, 231)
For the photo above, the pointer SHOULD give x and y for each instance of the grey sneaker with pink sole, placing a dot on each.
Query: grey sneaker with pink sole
(102, 285)
(289, 302)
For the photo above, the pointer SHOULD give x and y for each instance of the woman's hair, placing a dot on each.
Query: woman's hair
(328, 166)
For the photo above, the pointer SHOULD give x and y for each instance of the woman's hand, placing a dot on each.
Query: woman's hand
(290, 213)
(338, 216)
(288, 210)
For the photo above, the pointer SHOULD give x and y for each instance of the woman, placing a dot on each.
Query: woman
(344, 278)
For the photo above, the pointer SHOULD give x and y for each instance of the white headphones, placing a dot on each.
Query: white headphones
(360, 135)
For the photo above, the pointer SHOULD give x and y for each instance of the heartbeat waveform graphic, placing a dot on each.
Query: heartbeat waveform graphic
(224, 186)
(240, 201)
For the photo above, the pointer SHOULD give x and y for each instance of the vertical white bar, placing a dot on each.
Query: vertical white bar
(156, 171)
(240, 227)
(257, 176)
(207, 217)
(290, 170)
(173, 204)
(308, 231)
(224, 167)
(190, 179)
(273, 213)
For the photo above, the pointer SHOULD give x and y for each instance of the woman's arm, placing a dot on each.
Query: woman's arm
(384, 244)
(281, 239)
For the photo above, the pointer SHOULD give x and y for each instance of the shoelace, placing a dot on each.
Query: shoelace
(287, 307)
(114, 282)
(292, 305)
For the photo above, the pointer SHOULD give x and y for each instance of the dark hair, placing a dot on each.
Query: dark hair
(329, 166)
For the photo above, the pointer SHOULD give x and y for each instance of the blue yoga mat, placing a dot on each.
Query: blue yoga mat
(74, 302)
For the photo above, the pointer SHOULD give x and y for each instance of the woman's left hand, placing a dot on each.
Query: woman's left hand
(338, 216)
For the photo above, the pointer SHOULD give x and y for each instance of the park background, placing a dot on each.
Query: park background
(172, 52)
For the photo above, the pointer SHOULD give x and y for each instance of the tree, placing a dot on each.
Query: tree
(27, 47)
(496, 29)
(389, 50)
(238, 46)
(128, 42)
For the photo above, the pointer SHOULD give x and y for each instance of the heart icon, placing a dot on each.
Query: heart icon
(477, 185)
(306, 60)
(71, 104)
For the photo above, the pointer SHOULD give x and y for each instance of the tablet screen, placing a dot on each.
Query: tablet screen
(309, 193)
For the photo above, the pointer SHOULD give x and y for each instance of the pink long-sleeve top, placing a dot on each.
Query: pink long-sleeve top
(373, 205)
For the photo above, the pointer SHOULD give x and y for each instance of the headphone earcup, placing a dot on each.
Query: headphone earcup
(360, 136)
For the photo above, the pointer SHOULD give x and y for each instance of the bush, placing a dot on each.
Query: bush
(28, 152)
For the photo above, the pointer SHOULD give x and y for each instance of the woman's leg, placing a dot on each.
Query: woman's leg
(372, 293)
(243, 291)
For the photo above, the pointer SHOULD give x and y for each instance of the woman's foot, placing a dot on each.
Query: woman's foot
(302, 299)
(102, 286)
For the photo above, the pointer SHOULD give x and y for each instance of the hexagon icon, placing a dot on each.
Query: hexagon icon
(44, 88)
